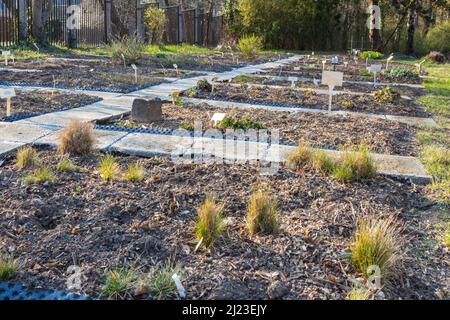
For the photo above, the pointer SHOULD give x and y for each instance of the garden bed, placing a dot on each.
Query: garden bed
(30, 103)
(288, 97)
(101, 75)
(347, 86)
(80, 220)
(382, 136)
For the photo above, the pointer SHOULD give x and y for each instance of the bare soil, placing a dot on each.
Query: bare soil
(103, 225)
(44, 102)
(365, 103)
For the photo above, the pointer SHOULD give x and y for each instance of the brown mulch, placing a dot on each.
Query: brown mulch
(364, 103)
(103, 225)
(389, 137)
(44, 102)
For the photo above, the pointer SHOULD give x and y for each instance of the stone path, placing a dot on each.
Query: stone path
(44, 129)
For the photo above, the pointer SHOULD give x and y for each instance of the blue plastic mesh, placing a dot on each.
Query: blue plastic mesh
(12, 291)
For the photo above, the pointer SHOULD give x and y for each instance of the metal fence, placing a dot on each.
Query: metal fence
(9, 22)
(93, 23)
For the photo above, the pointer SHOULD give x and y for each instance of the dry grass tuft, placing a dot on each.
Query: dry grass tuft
(262, 213)
(26, 157)
(77, 138)
(109, 168)
(210, 224)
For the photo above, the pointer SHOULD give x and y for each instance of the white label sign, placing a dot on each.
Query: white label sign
(390, 58)
(134, 67)
(375, 68)
(332, 78)
(217, 117)
(6, 53)
(7, 93)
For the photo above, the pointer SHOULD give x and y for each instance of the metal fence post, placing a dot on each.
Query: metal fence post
(108, 25)
(23, 24)
(139, 25)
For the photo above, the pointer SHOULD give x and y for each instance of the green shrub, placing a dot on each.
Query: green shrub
(155, 20)
(7, 268)
(132, 49)
(376, 243)
(347, 104)
(250, 46)
(66, 165)
(354, 164)
(239, 124)
(117, 282)
(210, 224)
(159, 282)
(204, 85)
(134, 172)
(262, 213)
(26, 157)
(38, 176)
(371, 55)
(187, 127)
(438, 38)
(109, 168)
(387, 95)
(400, 73)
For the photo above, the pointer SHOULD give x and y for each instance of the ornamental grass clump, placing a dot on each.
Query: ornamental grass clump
(210, 223)
(262, 213)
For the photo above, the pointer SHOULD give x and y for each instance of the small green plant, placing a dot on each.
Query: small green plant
(204, 85)
(355, 164)
(77, 190)
(109, 168)
(117, 282)
(366, 73)
(159, 282)
(187, 127)
(321, 161)
(210, 224)
(250, 46)
(400, 73)
(262, 213)
(371, 55)
(359, 294)
(387, 95)
(66, 165)
(239, 124)
(134, 172)
(39, 176)
(26, 157)
(192, 92)
(127, 50)
(376, 243)
(347, 104)
(300, 156)
(245, 79)
(7, 268)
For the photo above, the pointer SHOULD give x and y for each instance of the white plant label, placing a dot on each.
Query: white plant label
(179, 285)
(324, 62)
(332, 79)
(134, 66)
(217, 117)
(135, 72)
(375, 68)
(7, 93)
(6, 54)
(124, 61)
(389, 60)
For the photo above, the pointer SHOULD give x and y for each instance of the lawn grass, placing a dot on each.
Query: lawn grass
(435, 141)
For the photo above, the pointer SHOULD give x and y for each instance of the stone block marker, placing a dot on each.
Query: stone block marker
(146, 111)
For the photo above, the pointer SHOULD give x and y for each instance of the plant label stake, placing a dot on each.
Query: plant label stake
(6, 54)
(324, 62)
(332, 79)
(346, 64)
(367, 62)
(292, 80)
(334, 62)
(54, 84)
(389, 60)
(179, 285)
(217, 117)
(7, 93)
(419, 66)
(13, 59)
(375, 68)
(176, 68)
(124, 61)
(213, 83)
(135, 73)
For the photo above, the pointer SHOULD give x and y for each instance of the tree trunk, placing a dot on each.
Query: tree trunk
(37, 28)
(411, 27)
(375, 35)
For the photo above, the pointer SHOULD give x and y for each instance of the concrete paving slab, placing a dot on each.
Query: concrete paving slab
(23, 133)
(7, 147)
(148, 145)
